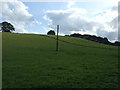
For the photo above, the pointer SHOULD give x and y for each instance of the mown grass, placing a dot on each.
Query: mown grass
(30, 61)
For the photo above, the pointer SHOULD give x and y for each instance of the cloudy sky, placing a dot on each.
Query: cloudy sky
(98, 17)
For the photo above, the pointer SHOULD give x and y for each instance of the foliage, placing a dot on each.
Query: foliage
(7, 27)
(95, 38)
(51, 32)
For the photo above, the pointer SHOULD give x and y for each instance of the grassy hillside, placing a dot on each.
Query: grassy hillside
(30, 61)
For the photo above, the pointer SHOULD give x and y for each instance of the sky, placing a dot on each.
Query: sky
(92, 17)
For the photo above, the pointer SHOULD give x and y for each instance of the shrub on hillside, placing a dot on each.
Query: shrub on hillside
(51, 32)
(6, 27)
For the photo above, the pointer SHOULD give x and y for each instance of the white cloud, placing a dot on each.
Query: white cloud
(109, 20)
(37, 22)
(69, 20)
(73, 20)
(71, 3)
(106, 15)
(16, 12)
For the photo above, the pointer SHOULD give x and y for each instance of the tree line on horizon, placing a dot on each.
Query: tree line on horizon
(95, 39)
(89, 37)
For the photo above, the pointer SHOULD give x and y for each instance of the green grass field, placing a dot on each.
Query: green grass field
(30, 61)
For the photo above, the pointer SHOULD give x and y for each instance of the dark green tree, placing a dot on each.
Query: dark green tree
(7, 27)
(51, 32)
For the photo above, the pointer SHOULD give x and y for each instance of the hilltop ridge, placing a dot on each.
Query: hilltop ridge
(95, 39)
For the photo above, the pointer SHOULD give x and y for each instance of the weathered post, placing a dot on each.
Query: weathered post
(57, 38)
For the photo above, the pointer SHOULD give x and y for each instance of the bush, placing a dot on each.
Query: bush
(6, 27)
(51, 32)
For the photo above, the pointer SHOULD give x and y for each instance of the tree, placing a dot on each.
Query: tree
(117, 43)
(76, 35)
(51, 32)
(7, 27)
